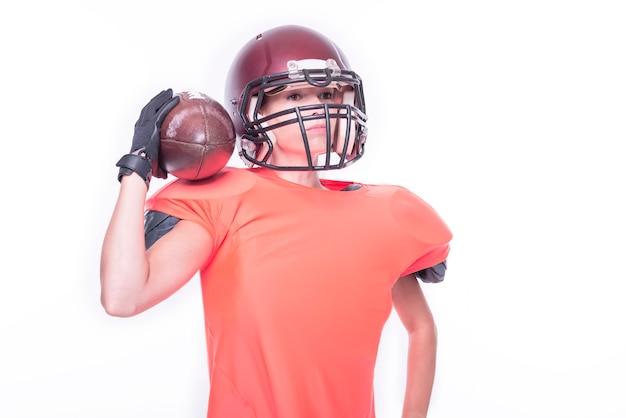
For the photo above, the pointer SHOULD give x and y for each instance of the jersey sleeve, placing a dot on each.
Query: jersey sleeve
(210, 203)
(180, 208)
(430, 236)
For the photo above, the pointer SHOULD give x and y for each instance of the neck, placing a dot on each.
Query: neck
(304, 178)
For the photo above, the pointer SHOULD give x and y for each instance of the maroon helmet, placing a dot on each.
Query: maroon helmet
(285, 57)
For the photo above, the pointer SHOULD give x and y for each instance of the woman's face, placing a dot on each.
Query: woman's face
(288, 141)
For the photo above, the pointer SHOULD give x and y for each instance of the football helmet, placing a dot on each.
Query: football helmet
(291, 57)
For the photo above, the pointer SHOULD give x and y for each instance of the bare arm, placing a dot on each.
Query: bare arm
(414, 312)
(133, 279)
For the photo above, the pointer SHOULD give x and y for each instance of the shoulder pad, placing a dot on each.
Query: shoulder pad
(157, 224)
(434, 274)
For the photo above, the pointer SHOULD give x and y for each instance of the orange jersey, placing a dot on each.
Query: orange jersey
(298, 287)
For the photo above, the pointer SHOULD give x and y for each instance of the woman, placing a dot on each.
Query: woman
(298, 273)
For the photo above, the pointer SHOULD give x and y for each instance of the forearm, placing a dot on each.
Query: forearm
(421, 362)
(124, 263)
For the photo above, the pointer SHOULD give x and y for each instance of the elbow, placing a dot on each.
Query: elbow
(118, 295)
(428, 335)
(425, 331)
(430, 330)
(116, 308)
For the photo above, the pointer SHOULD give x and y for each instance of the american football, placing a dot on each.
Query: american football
(197, 137)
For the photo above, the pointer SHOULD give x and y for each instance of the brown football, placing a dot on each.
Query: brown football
(197, 137)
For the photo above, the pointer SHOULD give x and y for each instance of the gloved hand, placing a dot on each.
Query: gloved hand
(144, 152)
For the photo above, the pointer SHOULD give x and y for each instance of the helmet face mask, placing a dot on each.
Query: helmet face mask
(293, 57)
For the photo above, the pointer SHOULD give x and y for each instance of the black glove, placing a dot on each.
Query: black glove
(144, 153)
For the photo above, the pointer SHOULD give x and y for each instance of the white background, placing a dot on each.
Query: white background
(507, 116)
